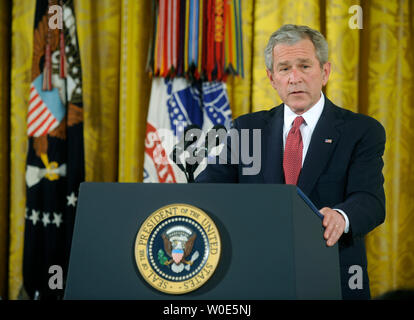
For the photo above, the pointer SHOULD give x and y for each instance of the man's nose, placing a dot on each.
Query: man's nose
(294, 76)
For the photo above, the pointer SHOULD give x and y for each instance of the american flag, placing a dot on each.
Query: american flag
(43, 118)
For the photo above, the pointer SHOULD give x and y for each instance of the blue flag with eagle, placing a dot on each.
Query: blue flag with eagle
(176, 104)
(55, 158)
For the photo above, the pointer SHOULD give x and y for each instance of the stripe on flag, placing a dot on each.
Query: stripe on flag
(40, 119)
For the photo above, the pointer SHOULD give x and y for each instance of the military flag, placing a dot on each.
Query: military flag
(55, 157)
(176, 104)
(196, 45)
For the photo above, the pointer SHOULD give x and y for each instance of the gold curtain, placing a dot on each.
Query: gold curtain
(21, 58)
(371, 73)
(5, 10)
(388, 86)
(114, 38)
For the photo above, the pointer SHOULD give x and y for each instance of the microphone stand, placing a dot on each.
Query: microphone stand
(181, 147)
(203, 152)
(189, 169)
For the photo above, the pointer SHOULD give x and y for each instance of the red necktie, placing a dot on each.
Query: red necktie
(292, 157)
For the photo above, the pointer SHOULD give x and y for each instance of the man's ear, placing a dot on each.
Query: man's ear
(326, 71)
(269, 75)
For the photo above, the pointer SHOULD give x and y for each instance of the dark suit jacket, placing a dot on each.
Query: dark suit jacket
(345, 174)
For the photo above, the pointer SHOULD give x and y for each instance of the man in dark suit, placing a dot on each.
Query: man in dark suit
(332, 154)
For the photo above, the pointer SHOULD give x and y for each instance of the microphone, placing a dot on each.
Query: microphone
(214, 138)
(190, 136)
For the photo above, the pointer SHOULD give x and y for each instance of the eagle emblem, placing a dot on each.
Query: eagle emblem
(177, 248)
(178, 244)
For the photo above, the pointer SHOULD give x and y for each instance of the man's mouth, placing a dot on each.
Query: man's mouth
(297, 92)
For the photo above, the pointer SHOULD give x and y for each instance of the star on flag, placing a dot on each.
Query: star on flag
(57, 219)
(34, 217)
(71, 199)
(46, 217)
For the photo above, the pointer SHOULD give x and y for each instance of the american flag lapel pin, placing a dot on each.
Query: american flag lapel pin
(328, 140)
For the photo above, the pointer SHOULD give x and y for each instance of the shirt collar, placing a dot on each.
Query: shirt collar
(311, 116)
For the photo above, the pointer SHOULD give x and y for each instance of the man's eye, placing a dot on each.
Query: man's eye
(305, 67)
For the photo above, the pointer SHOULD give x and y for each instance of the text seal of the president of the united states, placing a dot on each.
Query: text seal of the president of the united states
(177, 248)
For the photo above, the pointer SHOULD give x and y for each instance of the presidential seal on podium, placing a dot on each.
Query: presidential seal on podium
(177, 248)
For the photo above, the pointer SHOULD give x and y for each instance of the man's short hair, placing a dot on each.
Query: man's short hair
(291, 34)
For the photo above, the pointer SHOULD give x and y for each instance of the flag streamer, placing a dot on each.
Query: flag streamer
(197, 39)
(195, 46)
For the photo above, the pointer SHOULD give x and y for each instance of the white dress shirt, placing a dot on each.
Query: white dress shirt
(311, 118)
